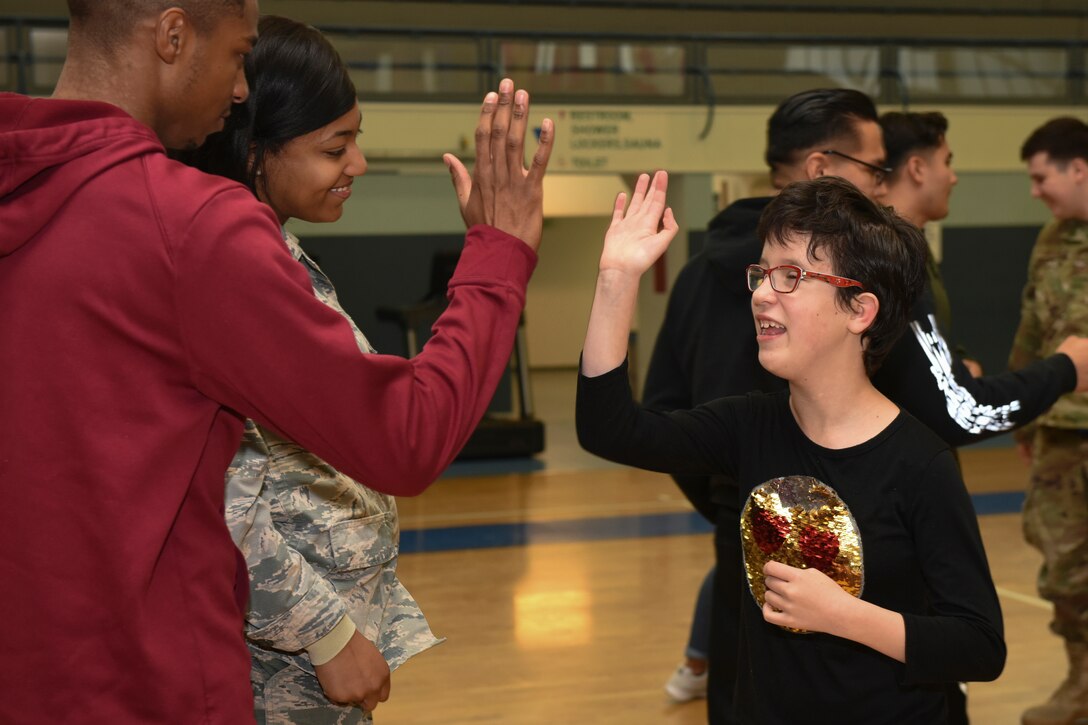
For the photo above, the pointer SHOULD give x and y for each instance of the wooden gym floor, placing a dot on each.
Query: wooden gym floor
(565, 587)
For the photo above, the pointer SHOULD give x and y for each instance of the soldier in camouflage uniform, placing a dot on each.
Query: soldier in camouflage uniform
(1055, 304)
(327, 614)
(320, 549)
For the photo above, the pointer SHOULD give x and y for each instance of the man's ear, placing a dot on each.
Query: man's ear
(173, 34)
(915, 169)
(863, 310)
(1078, 169)
(815, 165)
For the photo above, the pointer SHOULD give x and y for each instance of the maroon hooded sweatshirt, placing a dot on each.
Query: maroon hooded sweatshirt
(145, 309)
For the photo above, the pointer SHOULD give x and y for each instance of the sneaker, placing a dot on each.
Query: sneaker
(685, 685)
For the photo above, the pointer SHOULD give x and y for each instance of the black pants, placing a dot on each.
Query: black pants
(957, 705)
(725, 619)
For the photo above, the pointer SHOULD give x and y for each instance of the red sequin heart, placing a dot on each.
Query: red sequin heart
(770, 531)
(819, 548)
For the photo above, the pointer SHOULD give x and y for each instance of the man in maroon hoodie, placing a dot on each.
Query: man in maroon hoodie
(135, 336)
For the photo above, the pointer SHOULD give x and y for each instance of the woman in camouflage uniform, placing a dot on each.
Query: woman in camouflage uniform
(325, 606)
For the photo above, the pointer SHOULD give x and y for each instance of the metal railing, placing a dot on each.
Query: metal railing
(986, 8)
(442, 65)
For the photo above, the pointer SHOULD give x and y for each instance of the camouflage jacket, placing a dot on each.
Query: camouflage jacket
(319, 546)
(1055, 305)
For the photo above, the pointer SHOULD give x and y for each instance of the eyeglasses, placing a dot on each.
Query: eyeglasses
(879, 172)
(785, 278)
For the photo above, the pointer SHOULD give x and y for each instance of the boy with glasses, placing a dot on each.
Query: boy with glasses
(868, 586)
(705, 350)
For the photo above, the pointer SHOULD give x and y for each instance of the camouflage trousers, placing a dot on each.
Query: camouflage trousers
(283, 694)
(1056, 523)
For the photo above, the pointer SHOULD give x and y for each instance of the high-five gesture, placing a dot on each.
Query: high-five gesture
(501, 192)
(635, 239)
(638, 236)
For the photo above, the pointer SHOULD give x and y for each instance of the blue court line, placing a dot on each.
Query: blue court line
(493, 467)
(489, 536)
(1003, 502)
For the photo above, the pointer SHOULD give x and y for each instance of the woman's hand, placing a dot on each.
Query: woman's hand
(358, 675)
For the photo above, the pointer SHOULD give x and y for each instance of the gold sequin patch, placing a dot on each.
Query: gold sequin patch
(801, 522)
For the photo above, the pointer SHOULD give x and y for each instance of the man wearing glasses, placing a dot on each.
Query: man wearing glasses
(706, 349)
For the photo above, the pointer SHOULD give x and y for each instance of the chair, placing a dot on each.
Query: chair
(497, 436)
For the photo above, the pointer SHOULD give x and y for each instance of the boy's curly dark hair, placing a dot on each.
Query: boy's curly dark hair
(863, 241)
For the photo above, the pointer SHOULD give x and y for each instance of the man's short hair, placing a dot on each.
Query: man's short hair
(1061, 139)
(297, 84)
(863, 241)
(815, 118)
(108, 22)
(906, 133)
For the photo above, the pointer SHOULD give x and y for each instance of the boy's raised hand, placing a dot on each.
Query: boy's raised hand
(641, 233)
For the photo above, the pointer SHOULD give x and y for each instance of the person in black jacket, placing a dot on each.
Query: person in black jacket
(705, 348)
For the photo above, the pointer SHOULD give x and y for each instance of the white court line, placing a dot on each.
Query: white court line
(1023, 598)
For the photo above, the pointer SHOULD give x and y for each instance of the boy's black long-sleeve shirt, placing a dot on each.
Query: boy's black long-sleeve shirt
(923, 556)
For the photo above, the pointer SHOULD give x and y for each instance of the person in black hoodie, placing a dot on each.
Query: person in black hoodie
(706, 350)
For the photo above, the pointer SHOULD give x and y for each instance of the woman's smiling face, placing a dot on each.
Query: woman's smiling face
(310, 178)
